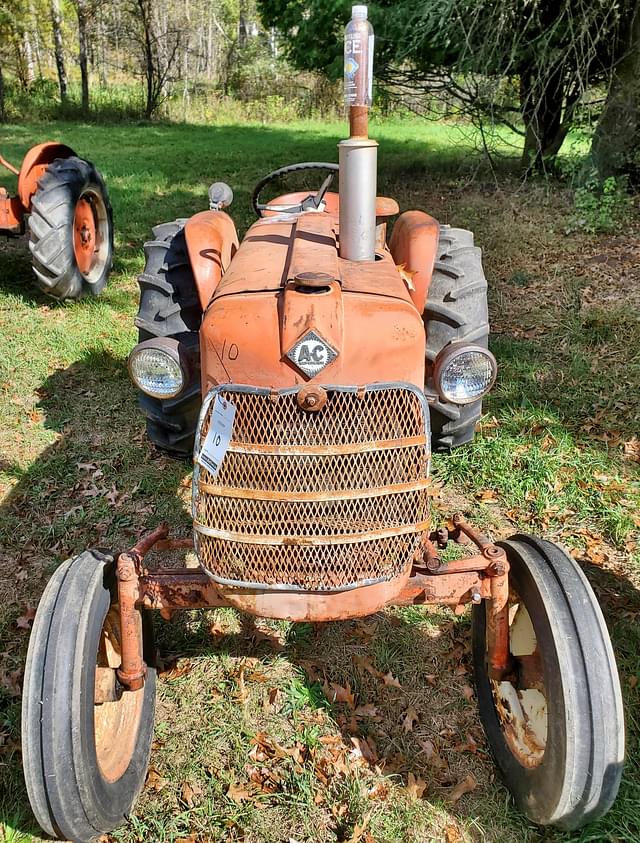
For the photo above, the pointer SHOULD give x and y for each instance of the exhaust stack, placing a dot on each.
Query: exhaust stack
(358, 156)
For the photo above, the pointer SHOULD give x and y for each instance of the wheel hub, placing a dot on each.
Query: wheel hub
(84, 235)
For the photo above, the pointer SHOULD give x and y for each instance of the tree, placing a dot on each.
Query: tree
(464, 50)
(56, 23)
(160, 45)
(616, 142)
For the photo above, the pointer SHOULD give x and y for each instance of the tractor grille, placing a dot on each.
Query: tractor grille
(317, 501)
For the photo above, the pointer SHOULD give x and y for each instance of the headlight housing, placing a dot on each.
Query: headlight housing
(157, 368)
(463, 373)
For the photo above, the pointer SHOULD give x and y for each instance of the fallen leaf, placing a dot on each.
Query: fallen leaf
(632, 449)
(155, 781)
(188, 792)
(365, 748)
(24, 621)
(367, 710)
(416, 786)
(336, 693)
(467, 692)
(452, 833)
(465, 786)
(433, 756)
(389, 679)
(410, 719)
(238, 793)
(359, 829)
(407, 276)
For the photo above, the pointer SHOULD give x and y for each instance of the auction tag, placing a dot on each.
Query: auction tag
(217, 440)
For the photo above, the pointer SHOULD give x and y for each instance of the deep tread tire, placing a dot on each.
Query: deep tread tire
(70, 797)
(578, 778)
(456, 311)
(50, 228)
(170, 307)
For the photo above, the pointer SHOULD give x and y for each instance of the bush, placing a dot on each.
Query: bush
(601, 206)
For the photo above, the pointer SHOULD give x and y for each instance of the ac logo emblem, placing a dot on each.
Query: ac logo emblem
(311, 354)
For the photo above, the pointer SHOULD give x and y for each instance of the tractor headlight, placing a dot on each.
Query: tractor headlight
(157, 369)
(464, 373)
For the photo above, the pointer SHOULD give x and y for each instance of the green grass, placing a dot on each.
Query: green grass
(75, 470)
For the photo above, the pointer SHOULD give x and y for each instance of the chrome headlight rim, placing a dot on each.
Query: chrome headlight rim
(447, 356)
(170, 348)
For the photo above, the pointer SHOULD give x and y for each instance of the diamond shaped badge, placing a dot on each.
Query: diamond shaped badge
(311, 354)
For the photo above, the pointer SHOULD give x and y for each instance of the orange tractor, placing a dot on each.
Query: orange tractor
(312, 369)
(63, 205)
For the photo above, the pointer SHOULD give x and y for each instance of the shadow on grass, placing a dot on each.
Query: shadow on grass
(101, 484)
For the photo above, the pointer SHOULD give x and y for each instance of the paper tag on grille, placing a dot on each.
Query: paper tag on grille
(218, 437)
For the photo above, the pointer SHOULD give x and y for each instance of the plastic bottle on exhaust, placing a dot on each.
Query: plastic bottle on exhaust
(358, 59)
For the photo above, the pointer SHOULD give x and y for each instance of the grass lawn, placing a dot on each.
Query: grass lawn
(248, 747)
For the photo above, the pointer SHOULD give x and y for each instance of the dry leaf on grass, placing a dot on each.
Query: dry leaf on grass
(467, 692)
(24, 621)
(632, 449)
(452, 833)
(416, 786)
(433, 756)
(188, 792)
(465, 786)
(238, 793)
(336, 693)
(155, 781)
(390, 679)
(359, 829)
(410, 719)
(367, 710)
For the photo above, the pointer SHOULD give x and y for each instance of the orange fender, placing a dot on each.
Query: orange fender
(212, 240)
(414, 242)
(34, 164)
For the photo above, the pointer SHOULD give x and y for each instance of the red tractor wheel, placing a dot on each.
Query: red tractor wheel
(85, 741)
(71, 230)
(555, 722)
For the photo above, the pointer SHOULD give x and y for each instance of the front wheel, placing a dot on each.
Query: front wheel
(555, 722)
(85, 740)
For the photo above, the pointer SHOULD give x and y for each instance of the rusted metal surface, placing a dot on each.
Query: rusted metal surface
(8, 166)
(359, 121)
(413, 244)
(478, 538)
(498, 624)
(84, 235)
(34, 164)
(312, 398)
(314, 247)
(212, 240)
(300, 535)
(132, 670)
(11, 213)
(144, 545)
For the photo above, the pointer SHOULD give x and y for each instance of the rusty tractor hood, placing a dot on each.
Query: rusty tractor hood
(289, 310)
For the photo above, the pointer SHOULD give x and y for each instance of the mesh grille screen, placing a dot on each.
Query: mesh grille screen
(317, 501)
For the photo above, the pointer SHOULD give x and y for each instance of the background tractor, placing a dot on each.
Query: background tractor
(313, 367)
(63, 206)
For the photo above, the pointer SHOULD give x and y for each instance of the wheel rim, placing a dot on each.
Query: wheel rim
(91, 235)
(116, 713)
(520, 697)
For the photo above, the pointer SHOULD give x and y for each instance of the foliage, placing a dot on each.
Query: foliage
(601, 206)
(466, 51)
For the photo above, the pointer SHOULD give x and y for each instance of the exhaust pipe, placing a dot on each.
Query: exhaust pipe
(358, 156)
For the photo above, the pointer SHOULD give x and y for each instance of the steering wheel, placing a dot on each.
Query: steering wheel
(312, 202)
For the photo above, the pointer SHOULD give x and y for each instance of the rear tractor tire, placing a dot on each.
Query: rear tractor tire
(554, 722)
(71, 230)
(85, 740)
(170, 307)
(456, 311)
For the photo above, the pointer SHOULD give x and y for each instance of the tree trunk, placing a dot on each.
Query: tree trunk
(542, 102)
(3, 115)
(83, 60)
(615, 143)
(58, 47)
(30, 71)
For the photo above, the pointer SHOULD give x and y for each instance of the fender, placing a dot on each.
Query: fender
(212, 240)
(34, 164)
(414, 241)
